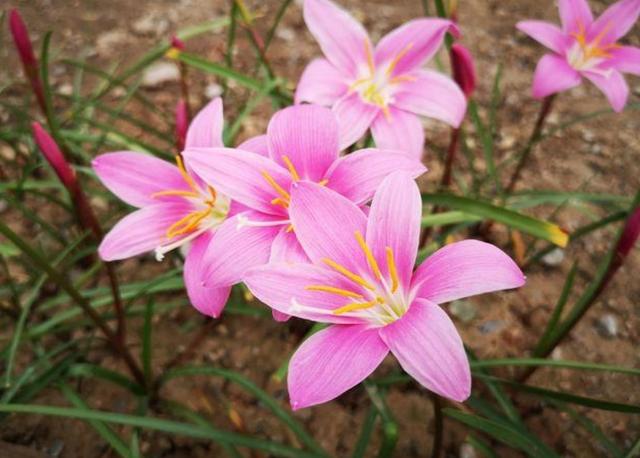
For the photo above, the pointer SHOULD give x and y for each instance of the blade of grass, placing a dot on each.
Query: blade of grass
(389, 425)
(365, 433)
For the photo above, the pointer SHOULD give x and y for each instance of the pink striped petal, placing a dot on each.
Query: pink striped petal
(208, 301)
(625, 59)
(135, 177)
(308, 136)
(357, 175)
(325, 223)
(142, 231)
(342, 39)
(332, 361)
(464, 269)
(553, 74)
(433, 95)
(286, 248)
(394, 222)
(284, 287)
(257, 144)
(412, 44)
(321, 83)
(615, 22)
(613, 86)
(234, 249)
(545, 33)
(429, 348)
(205, 131)
(400, 131)
(575, 15)
(354, 118)
(240, 175)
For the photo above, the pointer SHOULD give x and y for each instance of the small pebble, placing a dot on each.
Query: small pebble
(65, 89)
(607, 326)
(212, 90)
(463, 310)
(467, 451)
(557, 354)
(588, 136)
(554, 257)
(151, 24)
(491, 326)
(160, 73)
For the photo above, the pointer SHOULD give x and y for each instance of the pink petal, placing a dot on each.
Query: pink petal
(325, 223)
(239, 175)
(545, 33)
(615, 22)
(257, 144)
(308, 136)
(208, 301)
(400, 131)
(321, 83)
(135, 177)
(394, 222)
(357, 175)
(613, 86)
(414, 43)
(342, 39)
(433, 95)
(354, 118)
(205, 131)
(429, 348)
(553, 74)
(332, 361)
(625, 59)
(286, 248)
(283, 286)
(279, 316)
(234, 249)
(142, 231)
(575, 15)
(464, 269)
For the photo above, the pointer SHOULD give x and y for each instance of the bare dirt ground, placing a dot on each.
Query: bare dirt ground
(600, 155)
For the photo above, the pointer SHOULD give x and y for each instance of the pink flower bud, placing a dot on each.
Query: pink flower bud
(182, 124)
(54, 156)
(177, 43)
(630, 234)
(464, 72)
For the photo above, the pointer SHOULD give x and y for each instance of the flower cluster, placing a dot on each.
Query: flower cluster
(332, 237)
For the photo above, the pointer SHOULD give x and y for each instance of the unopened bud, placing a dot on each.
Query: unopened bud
(464, 72)
(182, 124)
(54, 157)
(22, 41)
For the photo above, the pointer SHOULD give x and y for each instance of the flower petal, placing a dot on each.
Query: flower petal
(429, 348)
(142, 231)
(286, 248)
(465, 269)
(433, 95)
(545, 33)
(240, 175)
(625, 59)
(575, 15)
(308, 136)
(135, 177)
(613, 85)
(208, 301)
(257, 144)
(325, 223)
(394, 222)
(332, 361)
(400, 131)
(615, 22)
(234, 249)
(354, 118)
(342, 39)
(553, 74)
(412, 44)
(205, 131)
(357, 175)
(321, 83)
(284, 286)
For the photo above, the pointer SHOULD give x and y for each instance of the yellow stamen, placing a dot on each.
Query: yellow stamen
(593, 49)
(347, 273)
(323, 182)
(175, 192)
(402, 79)
(358, 82)
(354, 306)
(334, 290)
(280, 201)
(369, 255)
(185, 174)
(397, 58)
(284, 194)
(289, 228)
(172, 53)
(213, 194)
(292, 169)
(369, 54)
(393, 272)
(187, 224)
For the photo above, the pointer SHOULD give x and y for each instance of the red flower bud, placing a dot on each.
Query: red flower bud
(630, 234)
(54, 157)
(182, 124)
(177, 43)
(464, 72)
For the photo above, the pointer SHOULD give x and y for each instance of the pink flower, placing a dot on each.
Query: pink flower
(301, 144)
(175, 207)
(586, 47)
(361, 280)
(383, 88)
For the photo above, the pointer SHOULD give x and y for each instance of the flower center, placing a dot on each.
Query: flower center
(586, 54)
(377, 299)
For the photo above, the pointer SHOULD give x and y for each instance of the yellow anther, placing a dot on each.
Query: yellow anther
(284, 194)
(353, 306)
(175, 192)
(213, 194)
(402, 79)
(347, 273)
(370, 62)
(185, 174)
(334, 290)
(393, 272)
(323, 182)
(289, 228)
(187, 224)
(369, 255)
(396, 59)
(292, 169)
(172, 53)
(280, 201)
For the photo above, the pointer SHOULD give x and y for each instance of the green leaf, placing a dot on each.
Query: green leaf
(565, 364)
(365, 433)
(389, 425)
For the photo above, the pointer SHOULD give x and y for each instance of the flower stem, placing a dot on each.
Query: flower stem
(445, 182)
(436, 448)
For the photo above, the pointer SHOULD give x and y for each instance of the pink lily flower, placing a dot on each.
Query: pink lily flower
(301, 144)
(175, 207)
(585, 47)
(361, 280)
(382, 88)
